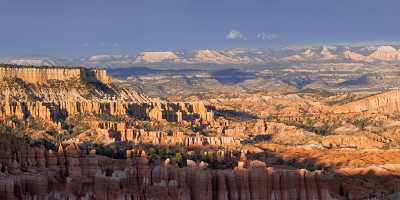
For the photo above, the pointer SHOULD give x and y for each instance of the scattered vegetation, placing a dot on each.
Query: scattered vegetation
(361, 123)
(235, 115)
(111, 118)
(115, 150)
(322, 128)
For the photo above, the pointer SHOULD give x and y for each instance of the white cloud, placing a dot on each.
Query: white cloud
(267, 36)
(235, 35)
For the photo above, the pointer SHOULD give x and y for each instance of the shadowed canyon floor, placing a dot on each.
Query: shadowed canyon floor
(73, 133)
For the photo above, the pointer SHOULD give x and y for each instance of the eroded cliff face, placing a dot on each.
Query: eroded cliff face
(177, 150)
(57, 112)
(61, 85)
(37, 75)
(52, 94)
(69, 173)
(386, 102)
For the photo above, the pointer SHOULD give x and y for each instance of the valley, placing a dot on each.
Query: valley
(69, 133)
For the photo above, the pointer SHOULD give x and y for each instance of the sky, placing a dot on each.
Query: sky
(77, 28)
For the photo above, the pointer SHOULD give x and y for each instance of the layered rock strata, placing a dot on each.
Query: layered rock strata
(58, 111)
(37, 75)
(386, 102)
(52, 94)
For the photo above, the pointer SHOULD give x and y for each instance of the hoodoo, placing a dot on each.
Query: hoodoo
(73, 133)
(201, 100)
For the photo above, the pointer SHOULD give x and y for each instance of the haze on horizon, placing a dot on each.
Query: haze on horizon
(78, 28)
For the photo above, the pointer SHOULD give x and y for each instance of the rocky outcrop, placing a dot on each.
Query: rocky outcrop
(349, 141)
(37, 75)
(327, 54)
(356, 57)
(290, 135)
(386, 102)
(70, 173)
(381, 53)
(53, 94)
(156, 57)
(385, 53)
(211, 56)
(57, 84)
(177, 139)
(157, 111)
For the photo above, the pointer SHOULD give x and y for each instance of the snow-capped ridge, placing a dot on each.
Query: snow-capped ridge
(385, 53)
(155, 57)
(32, 61)
(236, 56)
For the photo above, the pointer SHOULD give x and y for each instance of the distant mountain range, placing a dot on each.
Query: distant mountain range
(239, 56)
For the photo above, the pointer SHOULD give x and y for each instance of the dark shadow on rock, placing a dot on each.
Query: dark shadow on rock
(232, 76)
(240, 115)
(124, 73)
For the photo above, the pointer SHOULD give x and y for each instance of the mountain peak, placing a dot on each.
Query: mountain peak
(327, 54)
(385, 53)
(237, 56)
(156, 56)
(32, 61)
(386, 48)
(308, 53)
(213, 56)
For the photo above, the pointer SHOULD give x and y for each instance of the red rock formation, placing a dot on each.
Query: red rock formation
(38, 75)
(103, 178)
(386, 102)
(53, 112)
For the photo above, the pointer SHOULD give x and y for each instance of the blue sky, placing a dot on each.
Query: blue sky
(76, 28)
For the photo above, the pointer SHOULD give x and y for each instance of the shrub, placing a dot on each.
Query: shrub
(179, 158)
(361, 123)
